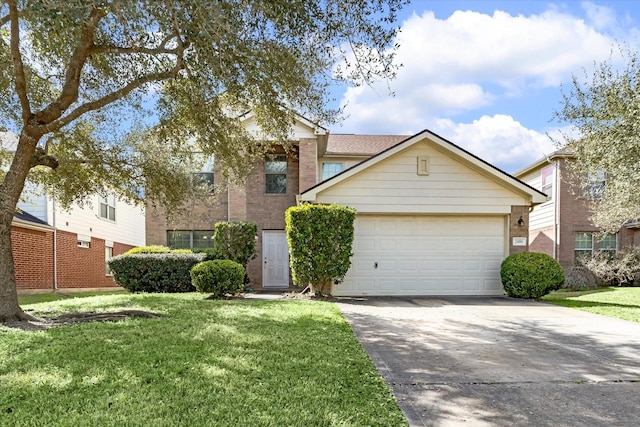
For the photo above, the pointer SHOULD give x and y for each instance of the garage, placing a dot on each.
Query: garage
(432, 219)
(425, 255)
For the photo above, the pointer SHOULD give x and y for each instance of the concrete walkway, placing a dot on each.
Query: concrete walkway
(501, 362)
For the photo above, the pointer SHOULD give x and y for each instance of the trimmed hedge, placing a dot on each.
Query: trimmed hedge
(235, 241)
(160, 272)
(156, 249)
(218, 277)
(530, 275)
(320, 240)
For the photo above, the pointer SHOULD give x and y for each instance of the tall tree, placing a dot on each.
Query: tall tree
(603, 111)
(72, 72)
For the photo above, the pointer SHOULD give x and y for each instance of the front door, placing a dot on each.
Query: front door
(275, 254)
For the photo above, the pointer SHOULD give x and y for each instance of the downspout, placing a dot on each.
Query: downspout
(556, 210)
(55, 244)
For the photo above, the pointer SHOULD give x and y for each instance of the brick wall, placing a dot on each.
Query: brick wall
(516, 230)
(33, 258)
(198, 215)
(308, 161)
(84, 267)
(541, 240)
(575, 216)
(267, 210)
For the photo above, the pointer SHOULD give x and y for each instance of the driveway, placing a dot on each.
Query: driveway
(497, 361)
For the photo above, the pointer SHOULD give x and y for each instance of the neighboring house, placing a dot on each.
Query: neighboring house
(562, 226)
(58, 249)
(432, 219)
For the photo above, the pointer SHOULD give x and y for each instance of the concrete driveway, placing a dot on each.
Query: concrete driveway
(497, 361)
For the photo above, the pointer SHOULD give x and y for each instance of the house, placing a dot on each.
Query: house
(432, 218)
(561, 227)
(55, 248)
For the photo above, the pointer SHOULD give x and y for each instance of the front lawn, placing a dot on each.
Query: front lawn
(623, 303)
(222, 363)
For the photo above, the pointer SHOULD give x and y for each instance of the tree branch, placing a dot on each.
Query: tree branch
(18, 66)
(41, 158)
(112, 97)
(134, 49)
(69, 93)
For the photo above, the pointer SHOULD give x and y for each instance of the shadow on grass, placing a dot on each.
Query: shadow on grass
(235, 362)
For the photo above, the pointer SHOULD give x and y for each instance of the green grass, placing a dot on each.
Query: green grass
(623, 303)
(48, 297)
(208, 363)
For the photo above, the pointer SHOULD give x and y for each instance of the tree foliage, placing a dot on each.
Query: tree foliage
(320, 239)
(603, 111)
(236, 241)
(79, 80)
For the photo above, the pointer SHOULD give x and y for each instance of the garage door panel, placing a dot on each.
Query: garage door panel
(425, 255)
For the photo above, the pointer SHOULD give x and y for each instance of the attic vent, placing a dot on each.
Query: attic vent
(423, 165)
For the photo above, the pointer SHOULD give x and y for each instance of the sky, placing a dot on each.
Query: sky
(487, 75)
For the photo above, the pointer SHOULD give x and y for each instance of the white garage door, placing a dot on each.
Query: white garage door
(425, 255)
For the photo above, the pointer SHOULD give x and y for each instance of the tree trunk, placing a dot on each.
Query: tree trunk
(9, 308)
(10, 191)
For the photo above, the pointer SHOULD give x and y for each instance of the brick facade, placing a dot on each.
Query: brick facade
(574, 216)
(33, 258)
(518, 229)
(76, 267)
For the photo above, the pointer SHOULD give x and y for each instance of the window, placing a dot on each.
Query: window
(608, 243)
(275, 169)
(108, 207)
(84, 241)
(205, 177)
(547, 181)
(596, 182)
(199, 239)
(108, 254)
(583, 247)
(330, 169)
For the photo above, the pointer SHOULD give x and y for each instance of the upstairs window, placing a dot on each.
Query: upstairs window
(108, 207)
(204, 178)
(275, 170)
(547, 181)
(596, 182)
(330, 169)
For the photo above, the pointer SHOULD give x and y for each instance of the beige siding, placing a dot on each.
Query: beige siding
(128, 228)
(542, 215)
(299, 130)
(393, 186)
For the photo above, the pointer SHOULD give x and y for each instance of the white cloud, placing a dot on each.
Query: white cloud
(472, 60)
(500, 140)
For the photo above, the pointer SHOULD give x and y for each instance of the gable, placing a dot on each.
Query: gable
(456, 183)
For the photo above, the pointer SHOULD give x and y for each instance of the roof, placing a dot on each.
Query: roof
(366, 145)
(542, 161)
(25, 219)
(499, 175)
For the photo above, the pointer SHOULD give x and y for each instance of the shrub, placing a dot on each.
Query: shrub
(320, 239)
(530, 275)
(157, 249)
(235, 241)
(620, 269)
(159, 272)
(218, 277)
(579, 278)
(210, 253)
(152, 249)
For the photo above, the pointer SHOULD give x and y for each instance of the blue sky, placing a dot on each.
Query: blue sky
(487, 74)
